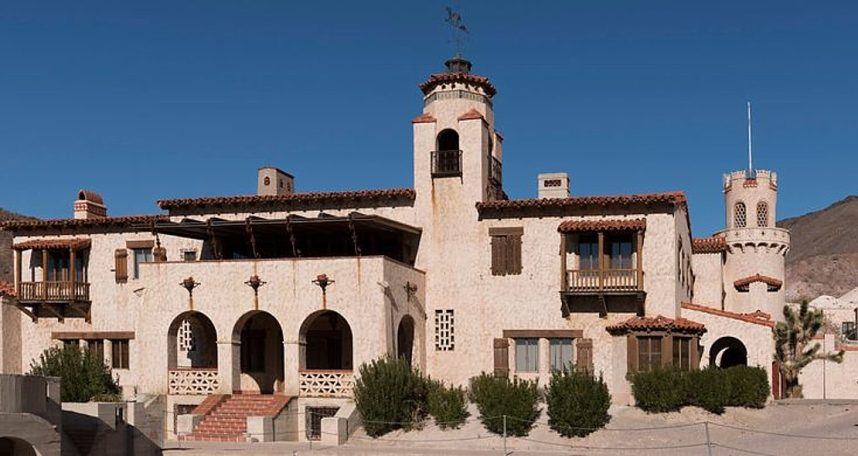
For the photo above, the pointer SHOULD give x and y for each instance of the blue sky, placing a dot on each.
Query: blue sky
(187, 98)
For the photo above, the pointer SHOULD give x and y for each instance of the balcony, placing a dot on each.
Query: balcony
(446, 163)
(604, 281)
(53, 292)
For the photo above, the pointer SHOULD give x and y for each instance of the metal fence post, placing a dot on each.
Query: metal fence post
(708, 441)
(504, 436)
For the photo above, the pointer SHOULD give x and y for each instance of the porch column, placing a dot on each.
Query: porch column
(601, 261)
(639, 259)
(18, 272)
(291, 366)
(72, 274)
(227, 370)
(45, 274)
(108, 352)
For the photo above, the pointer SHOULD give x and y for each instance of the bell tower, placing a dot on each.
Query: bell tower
(457, 152)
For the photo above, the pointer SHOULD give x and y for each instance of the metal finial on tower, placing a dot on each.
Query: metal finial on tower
(458, 29)
(750, 155)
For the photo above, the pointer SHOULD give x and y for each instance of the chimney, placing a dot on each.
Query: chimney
(273, 181)
(553, 185)
(89, 205)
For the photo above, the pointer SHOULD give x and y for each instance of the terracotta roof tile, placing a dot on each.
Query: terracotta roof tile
(758, 318)
(658, 323)
(73, 243)
(570, 226)
(122, 221)
(471, 115)
(6, 289)
(465, 78)
(714, 244)
(599, 201)
(770, 281)
(423, 118)
(333, 199)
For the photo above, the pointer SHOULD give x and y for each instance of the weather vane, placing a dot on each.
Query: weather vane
(457, 26)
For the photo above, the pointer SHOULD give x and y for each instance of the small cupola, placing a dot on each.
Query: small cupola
(89, 205)
(274, 181)
(458, 64)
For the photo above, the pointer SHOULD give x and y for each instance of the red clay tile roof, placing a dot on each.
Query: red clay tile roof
(770, 281)
(74, 243)
(90, 195)
(6, 289)
(122, 221)
(714, 244)
(423, 118)
(758, 318)
(465, 78)
(471, 115)
(658, 323)
(332, 199)
(599, 201)
(571, 226)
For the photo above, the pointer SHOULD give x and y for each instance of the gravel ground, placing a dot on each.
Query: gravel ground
(779, 429)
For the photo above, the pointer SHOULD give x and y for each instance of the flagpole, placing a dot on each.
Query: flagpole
(750, 155)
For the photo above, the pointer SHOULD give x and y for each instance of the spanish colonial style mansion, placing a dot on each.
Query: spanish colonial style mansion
(286, 293)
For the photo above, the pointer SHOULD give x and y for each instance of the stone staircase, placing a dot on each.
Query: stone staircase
(225, 416)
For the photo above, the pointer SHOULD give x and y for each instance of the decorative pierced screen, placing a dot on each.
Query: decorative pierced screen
(444, 340)
(741, 215)
(185, 336)
(762, 214)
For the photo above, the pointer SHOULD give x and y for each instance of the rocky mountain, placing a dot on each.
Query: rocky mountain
(823, 258)
(6, 257)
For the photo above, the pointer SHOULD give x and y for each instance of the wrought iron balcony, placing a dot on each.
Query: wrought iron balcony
(446, 163)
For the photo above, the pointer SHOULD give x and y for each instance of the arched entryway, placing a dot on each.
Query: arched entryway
(326, 342)
(405, 338)
(192, 355)
(13, 446)
(260, 352)
(728, 352)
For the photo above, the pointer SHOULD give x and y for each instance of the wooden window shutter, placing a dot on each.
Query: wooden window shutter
(496, 251)
(514, 244)
(501, 346)
(500, 255)
(121, 267)
(584, 355)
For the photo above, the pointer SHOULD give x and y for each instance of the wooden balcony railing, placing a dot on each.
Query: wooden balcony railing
(584, 281)
(54, 291)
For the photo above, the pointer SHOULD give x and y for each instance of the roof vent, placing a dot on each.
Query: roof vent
(553, 185)
(89, 205)
(273, 181)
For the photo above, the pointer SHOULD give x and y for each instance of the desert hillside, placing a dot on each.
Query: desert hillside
(823, 258)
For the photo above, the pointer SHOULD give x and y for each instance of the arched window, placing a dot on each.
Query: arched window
(740, 215)
(447, 158)
(448, 140)
(762, 214)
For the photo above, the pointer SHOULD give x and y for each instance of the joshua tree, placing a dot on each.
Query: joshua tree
(794, 346)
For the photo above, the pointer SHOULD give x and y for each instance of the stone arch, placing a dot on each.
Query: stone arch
(191, 342)
(14, 446)
(405, 338)
(326, 342)
(447, 139)
(728, 352)
(258, 355)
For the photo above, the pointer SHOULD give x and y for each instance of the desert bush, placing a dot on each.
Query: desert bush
(84, 376)
(577, 403)
(497, 397)
(448, 405)
(747, 386)
(708, 389)
(660, 390)
(390, 395)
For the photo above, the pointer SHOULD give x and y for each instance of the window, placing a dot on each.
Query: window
(682, 353)
(189, 255)
(527, 355)
(740, 215)
(847, 329)
(649, 353)
(621, 252)
(253, 350)
(560, 351)
(588, 253)
(96, 346)
(71, 343)
(120, 353)
(506, 251)
(447, 157)
(762, 214)
(141, 256)
(444, 340)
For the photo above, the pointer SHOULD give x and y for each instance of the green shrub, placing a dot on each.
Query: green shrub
(660, 390)
(747, 386)
(577, 403)
(708, 389)
(389, 395)
(497, 397)
(84, 375)
(447, 404)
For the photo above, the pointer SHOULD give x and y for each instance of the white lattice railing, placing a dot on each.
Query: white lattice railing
(193, 381)
(326, 383)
